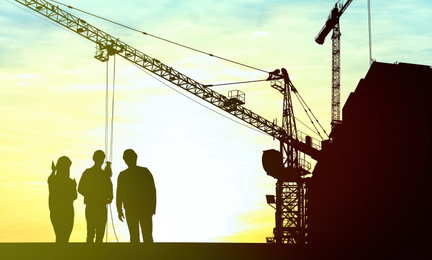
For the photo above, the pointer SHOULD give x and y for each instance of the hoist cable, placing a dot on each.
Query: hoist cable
(310, 119)
(106, 124)
(160, 38)
(112, 110)
(106, 108)
(109, 138)
(112, 135)
(112, 222)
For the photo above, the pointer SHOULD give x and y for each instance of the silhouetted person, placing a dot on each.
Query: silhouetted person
(62, 193)
(136, 192)
(96, 187)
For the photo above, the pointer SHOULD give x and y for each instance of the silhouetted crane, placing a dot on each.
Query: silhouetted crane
(332, 23)
(290, 168)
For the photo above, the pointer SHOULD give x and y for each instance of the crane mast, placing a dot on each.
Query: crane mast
(290, 188)
(332, 23)
(290, 199)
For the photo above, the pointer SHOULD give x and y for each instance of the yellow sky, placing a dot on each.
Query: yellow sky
(210, 182)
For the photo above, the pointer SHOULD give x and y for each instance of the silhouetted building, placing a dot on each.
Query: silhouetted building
(370, 194)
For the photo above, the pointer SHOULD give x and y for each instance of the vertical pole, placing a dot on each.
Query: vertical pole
(370, 33)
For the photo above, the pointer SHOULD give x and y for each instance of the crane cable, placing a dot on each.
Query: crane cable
(160, 38)
(109, 138)
(208, 85)
(199, 103)
(307, 109)
(223, 115)
(370, 33)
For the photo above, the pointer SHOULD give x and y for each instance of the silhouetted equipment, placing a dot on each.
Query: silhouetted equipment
(272, 162)
(289, 170)
(290, 187)
(270, 199)
(332, 23)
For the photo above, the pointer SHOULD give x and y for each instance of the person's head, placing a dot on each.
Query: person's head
(63, 166)
(99, 157)
(130, 157)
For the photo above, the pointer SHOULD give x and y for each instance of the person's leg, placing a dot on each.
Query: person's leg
(101, 222)
(63, 224)
(146, 222)
(69, 224)
(91, 228)
(54, 216)
(133, 225)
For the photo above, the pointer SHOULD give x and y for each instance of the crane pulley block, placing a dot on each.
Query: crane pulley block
(101, 53)
(104, 51)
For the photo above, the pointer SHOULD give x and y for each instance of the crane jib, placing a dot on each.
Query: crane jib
(108, 45)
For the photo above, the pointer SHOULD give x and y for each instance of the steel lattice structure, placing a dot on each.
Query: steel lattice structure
(293, 218)
(290, 201)
(332, 23)
(335, 102)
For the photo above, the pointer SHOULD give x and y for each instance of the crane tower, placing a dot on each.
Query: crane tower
(332, 23)
(290, 170)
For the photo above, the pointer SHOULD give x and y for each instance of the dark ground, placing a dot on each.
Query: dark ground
(190, 251)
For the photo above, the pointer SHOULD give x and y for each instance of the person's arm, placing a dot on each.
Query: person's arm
(119, 197)
(109, 186)
(82, 186)
(110, 191)
(74, 190)
(108, 169)
(53, 170)
(153, 193)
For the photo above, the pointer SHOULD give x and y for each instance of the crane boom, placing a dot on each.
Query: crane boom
(109, 45)
(344, 7)
(332, 20)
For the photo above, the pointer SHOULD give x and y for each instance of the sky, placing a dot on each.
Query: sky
(207, 167)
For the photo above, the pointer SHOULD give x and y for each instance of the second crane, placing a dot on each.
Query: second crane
(332, 23)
